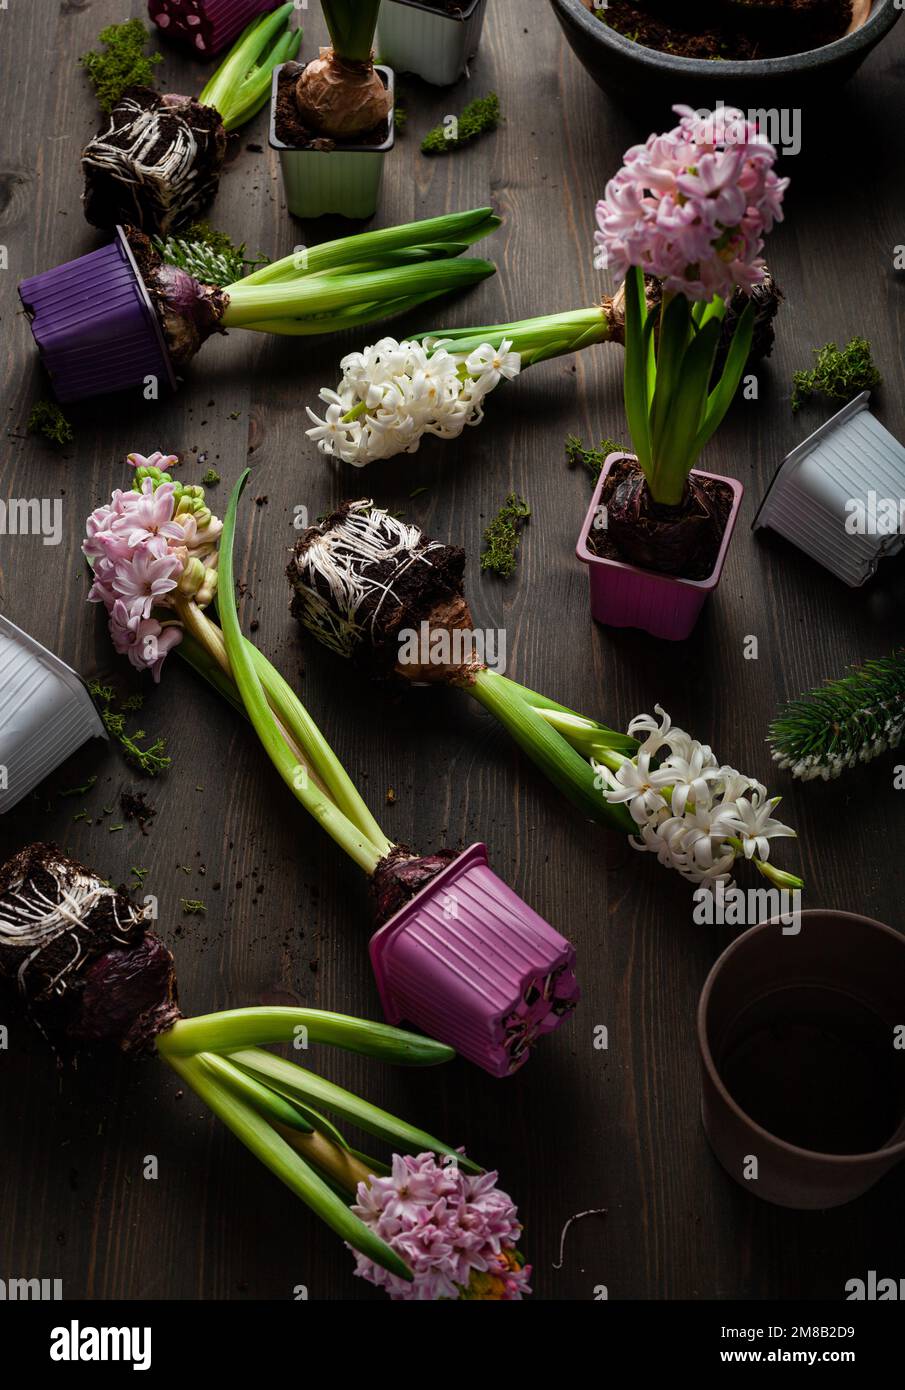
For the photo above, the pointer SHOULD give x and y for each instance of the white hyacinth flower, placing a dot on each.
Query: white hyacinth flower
(393, 393)
(757, 827)
(695, 814)
(635, 784)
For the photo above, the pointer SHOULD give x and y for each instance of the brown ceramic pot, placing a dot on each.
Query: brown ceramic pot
(803, 1059)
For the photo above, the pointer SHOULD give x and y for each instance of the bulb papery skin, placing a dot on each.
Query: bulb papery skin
(400, 875)
(340, 99)
(189, 311)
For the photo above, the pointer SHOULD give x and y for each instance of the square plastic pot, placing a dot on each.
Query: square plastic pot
(623, 595)
(433, 44)
(46, 713)
(469, 962)
(817, 486)
(846, 963)
(205, 26)
(95, 325)
(344, 181)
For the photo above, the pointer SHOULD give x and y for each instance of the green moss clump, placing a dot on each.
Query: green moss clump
(48, 419)
(152, 760)
(839, 373)
(590, 458)
(123, 63)
(503, 536)
(479, 116)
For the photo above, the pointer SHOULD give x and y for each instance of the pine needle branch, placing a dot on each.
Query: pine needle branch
(209, 255)
(844, 722)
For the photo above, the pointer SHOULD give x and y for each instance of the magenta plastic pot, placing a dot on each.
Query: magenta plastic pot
(470, 963)
(803, 1076)
(206, 26)
(95, 326)
(622, 595)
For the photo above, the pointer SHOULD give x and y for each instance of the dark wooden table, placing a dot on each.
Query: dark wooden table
(287, 920)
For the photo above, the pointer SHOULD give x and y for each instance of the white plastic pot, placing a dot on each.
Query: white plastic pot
(344, 181)
(845, 470)
(46, 713)
(435, 45)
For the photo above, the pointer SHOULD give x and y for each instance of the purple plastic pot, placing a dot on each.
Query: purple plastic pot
(622, 595)
(95, 326)
(470, 963)
(207, 26)
(798, 1033)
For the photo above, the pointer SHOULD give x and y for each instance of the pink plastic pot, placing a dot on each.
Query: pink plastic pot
(622, 595)
(470, 963)
(205, 26)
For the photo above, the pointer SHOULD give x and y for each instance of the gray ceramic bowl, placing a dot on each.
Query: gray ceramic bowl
(635, 73)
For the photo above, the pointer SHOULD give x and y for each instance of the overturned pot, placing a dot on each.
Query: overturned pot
(324, 175)
(433, 39)
(46, 713)
(628, 595)
(95, 325)
(468, 961)
(205, 26)
(840, 495)
(802, 1072)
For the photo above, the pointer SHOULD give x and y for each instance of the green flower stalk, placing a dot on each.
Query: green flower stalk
(324, 289)
(157, 163)
(241, 84)
(847, 721)
(91, 973)
(379, 592)
(160, 559)
(376, 412)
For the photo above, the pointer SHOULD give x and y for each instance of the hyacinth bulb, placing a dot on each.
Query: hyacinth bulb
(341, 99)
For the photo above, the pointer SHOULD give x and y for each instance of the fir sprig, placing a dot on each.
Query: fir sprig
(122, 63)
(503, 535)
(209, 255)
(839, 373)
(478, 116)
(846, 721)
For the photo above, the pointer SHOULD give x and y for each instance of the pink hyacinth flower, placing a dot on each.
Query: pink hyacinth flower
(692, 206)
(455, 1231)
(149, 516)
(144, 641)
(144, 577)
